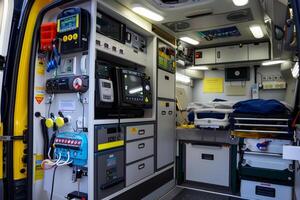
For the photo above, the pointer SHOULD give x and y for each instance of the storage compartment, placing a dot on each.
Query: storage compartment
(208, 164)
(259, 51)
(139, 131)
(139, 149)
(265, 145)
(166, 84)
(165, 133)
(260, 160)
(265, 191)
(231, 53)
(109, 172)
(205, 56)
(139, 170)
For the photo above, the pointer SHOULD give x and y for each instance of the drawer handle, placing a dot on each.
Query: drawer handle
(163, 112)
(207, 156)
(141, 166)
(141, 146)
(141, 132)
(170, 112)
(167, 78)
(218, 54)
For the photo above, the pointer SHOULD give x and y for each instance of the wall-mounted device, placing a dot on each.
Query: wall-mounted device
(110, 27)
(166, 57)
(73, 27)
(121, 92)
(72, 146)
(237, 74)
(108, 137)
(136, 41)
(109, 172)
(71, 84)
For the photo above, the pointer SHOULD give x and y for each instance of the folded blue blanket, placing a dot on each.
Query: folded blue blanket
(260, 106)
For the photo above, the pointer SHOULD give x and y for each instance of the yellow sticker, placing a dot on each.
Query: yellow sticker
(133, 131)
(39, 98)
(38, 170)
(40, 70)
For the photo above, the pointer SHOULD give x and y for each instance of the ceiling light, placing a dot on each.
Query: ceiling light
(273, 62)
(240, 2)
(198, 68)
(147, 13)
(182, 78)
(256, 31)
(189, 40)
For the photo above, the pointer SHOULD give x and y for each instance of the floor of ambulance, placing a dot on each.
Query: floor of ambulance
(185, 193)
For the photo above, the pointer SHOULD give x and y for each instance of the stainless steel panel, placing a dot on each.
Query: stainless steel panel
(139, 149)
(139, 131)
(166, 84)
(139, 170)
(166, 136)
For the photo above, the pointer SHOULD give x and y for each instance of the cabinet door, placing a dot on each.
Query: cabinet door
(165, 133)
(231, 53)
(205, 56)
(259, 51)
(166, 84)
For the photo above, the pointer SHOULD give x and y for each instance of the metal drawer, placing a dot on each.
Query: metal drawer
(166, 84)
(139, 170)
(139, 149)
(139, 131)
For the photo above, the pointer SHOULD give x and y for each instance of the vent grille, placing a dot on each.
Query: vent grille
(178, 26)
(240, 15)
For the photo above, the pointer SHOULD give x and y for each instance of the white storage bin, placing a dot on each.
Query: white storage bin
(265, 191)
(274, 146)
(207, 164)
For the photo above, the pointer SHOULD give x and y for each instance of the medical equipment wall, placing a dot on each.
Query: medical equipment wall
(78, 150)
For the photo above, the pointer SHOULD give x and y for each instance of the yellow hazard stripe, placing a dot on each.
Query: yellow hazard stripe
(110, 145)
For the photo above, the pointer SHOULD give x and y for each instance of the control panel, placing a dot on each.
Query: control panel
(71, 146)
(73, 28)
(108, 137)
(136, 41)
(70, 84)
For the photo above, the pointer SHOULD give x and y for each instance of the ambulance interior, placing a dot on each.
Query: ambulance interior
(163, 99)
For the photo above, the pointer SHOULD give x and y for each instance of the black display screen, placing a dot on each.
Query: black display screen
(110, 27)
(133, 86)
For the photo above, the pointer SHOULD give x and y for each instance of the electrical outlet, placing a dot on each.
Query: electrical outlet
(270, 78)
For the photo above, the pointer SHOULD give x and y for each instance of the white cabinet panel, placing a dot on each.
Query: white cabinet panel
(205, 56)
(231, 53)
(259, 51)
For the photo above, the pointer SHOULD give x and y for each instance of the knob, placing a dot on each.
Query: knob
(147, 87)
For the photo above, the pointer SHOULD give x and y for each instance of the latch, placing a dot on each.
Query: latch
(8, 138)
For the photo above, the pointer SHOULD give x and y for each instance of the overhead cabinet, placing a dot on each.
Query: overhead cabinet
(233, 53)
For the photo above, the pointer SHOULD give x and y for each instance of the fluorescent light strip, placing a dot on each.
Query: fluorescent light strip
(273, 62)
(147, 13)
(198, 68)
(189, 40)
(240, 2)
(182, 78)
(256, 31)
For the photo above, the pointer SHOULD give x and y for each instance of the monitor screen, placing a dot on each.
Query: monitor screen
(68, 23)
(133, 86)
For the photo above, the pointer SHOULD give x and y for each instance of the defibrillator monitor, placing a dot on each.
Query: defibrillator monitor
(73, 28)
